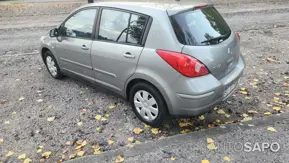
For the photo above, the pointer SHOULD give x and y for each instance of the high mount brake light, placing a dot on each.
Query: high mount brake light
(184, 64)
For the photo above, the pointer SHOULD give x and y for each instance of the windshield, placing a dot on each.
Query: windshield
(200, 27)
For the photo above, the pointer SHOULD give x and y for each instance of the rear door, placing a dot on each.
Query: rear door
(74, 45)
(118, 45)
(208, 38)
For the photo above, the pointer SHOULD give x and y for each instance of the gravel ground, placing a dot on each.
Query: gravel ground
(29, 97)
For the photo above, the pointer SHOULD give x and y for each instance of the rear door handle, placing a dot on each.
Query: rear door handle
(128, 55)
(83, 47)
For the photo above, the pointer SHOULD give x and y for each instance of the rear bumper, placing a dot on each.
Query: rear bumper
(195, 96)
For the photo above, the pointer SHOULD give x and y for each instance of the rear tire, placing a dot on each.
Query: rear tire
(52, 65)
(148, 104)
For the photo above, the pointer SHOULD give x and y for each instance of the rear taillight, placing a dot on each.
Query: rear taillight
(200, 6)
(184, 64)
(238, 35)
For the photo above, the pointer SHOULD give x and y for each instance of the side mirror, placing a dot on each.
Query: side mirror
(54, 32)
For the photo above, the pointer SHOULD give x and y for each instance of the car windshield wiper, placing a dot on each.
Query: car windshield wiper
(216, 38)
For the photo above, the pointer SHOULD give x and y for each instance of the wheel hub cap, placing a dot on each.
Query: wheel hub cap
(146, 105)
(51, 65)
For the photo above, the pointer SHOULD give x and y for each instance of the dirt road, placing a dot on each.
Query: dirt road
(29, 97)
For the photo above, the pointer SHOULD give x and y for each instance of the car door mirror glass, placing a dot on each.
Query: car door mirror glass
(54, 32)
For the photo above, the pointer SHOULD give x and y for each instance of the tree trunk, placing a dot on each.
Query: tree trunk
(90, 1)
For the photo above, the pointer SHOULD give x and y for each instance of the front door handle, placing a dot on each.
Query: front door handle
(83, 47)
(128, 55)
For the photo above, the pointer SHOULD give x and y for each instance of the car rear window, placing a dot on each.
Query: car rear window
(203, 26)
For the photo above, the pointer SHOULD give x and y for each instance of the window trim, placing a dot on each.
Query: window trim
(94, 22)
(144, 35)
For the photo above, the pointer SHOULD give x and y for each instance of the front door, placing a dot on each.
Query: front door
(74, 46)
(116, 50)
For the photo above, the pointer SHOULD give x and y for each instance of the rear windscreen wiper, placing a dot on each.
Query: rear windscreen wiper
(215, 38)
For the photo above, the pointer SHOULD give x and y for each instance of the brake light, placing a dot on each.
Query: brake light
(200, 6)
(184, 64)
(238, 35)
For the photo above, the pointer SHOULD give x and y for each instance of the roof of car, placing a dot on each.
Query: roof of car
(150, 5)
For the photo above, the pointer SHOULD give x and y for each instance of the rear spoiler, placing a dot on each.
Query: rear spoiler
(184, 9)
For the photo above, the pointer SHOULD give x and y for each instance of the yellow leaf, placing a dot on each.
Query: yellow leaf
(220, 111)
(79, 123)
(247, 98)
(267, 113)
(211, 146)
(246, 119)
(155, 130)
(277, 108)
(226, 158)
(23, 156)
(137, 130)
(1, 140)
(185, 124)
(119, 159)
(72, 156)
(256, 80)
(27, 160)
(96, 152)
(243, 89)
(13, 113)
(107, 115)
(130, 139)
(218, 121)
(146, 126)
(202, 117)
(7, 122)
(137, 142)
(98, 117)
(103, 119)
(185, 131)
(50, 119)
(210, 140)
(205, 161)
(80, 153)
(110, 142)
(46, 154)
(271, 129)
(244, 92)
(227, 115)
(39, 151)
(129, 145)
(276, 98)
(111, 106)
(21, 99)
(82, 144)
(245, 115)
(97, 129)
(285, 84)
(172, 158)
(252, 112)
(10, 153)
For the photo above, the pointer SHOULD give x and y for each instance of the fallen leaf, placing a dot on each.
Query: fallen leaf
(246, 119)
(155, 130)
(21, 99)
(7, 122)
(22, 156)
(130, 139)
(103, 119)
(210, 140)
(39, 151)
(129, 145)
(277, 108)
(79, 123)
(276, 99)
(111, 106)
(46, 154)
(137, 130)
(220, 111)
(27, 160)
(245, 115)
(243, 92)
(202, 117)
(40, 100)
(285, 84)
(137, 142)
(227, 115)
(252, 112)
(270, 60)
(185, 124)
(50, 119)
(205, 161)
(267, 113)
(226, 158)
(72, 156)
(80, 153)
(185, 131)
(98, 129)
(251, 125)
(271, 129)
(98, 117)
(119, 159)
(211, 146)
(247, 98)
(172, 158)
(1, 140)
(110, 142)
(10, 153)
(107, 115)
(3, 101)
(243, 89)
(218, 121)
(146, 126)
(13, 113)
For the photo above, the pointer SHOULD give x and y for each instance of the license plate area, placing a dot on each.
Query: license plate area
(229, 89)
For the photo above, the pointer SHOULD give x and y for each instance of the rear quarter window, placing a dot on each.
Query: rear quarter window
(203, 26)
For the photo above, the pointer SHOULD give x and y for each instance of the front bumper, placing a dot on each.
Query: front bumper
(196, 96)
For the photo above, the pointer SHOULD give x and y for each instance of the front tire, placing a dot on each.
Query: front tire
(52, 65)
(148, 104)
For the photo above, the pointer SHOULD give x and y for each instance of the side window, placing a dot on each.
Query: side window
(80, 24)
(123, 27)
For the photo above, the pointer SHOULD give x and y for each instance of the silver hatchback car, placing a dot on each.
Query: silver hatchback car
(165, 59)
